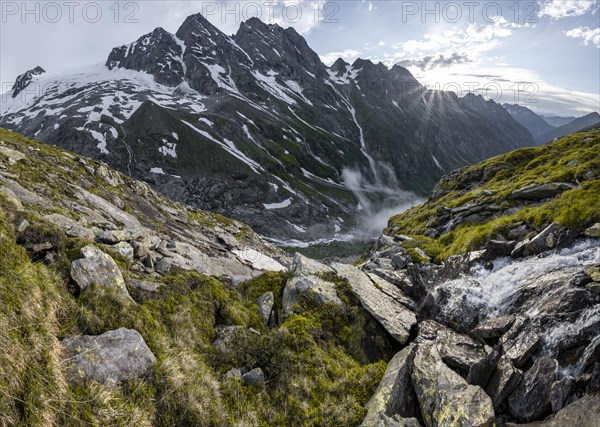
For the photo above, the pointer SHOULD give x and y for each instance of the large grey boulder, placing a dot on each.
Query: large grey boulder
(312, 288)
(581, 413)
(97, 268)
(110, 358)
(382, 300)
(394, 395)
(532, 398)
(446, 399)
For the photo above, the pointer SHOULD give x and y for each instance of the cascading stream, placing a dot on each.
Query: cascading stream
(533, 287)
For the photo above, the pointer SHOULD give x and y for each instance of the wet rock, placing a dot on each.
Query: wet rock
(580, 279)
(559, 393)
(451, 303)
(110, 358)
(254, 377)
(520, 349)
(481, 372)
(577, 414)
(532, 398)
(541, 242)
(540, 192)
(503, 381)
(394, 395)
(593, 231)
(97, 268)
(499, 248)
(313, 288)
(265, 305)
(445, 397)
(394, 316)
(458, 351)
(493, 328)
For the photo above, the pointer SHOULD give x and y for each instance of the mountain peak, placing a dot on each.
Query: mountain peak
(25, 79)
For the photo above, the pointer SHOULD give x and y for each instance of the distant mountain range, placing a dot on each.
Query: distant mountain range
(256, 127)
(544, 129)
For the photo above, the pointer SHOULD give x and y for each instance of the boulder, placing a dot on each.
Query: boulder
(560, 392)
(111, 237)
(593, 231)
(233, 373)
(445, 398)
(380, 301)
(581, 413)
(144, 285)
(123, 248)
(399, 261)
(97, 268)
(394, 395)
(543, 241)
(453, 303)
(532, 398)
(539, 192)
(313, 288)
(493, 328)
(499, 248)
(395, 421)
(254, 377)
(308, 267)
(22, 225)
(265, 305)
(224, 335)
(520, 349)
(460, 352)
(110, 358)
(504, 380)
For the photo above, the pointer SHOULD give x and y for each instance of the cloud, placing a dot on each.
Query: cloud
(432, 61)
(474, 39)
(588, 35)
(347, 55)
(559, 9)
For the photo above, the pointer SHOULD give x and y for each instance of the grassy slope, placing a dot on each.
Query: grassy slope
(317, 371)
(565, 160)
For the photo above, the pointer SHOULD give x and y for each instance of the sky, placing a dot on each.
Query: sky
(543, 54)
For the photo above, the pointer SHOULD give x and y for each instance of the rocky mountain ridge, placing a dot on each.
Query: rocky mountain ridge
(254, 125)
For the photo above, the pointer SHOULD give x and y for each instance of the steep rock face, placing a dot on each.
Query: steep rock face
(142, 55)
(253, 125)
